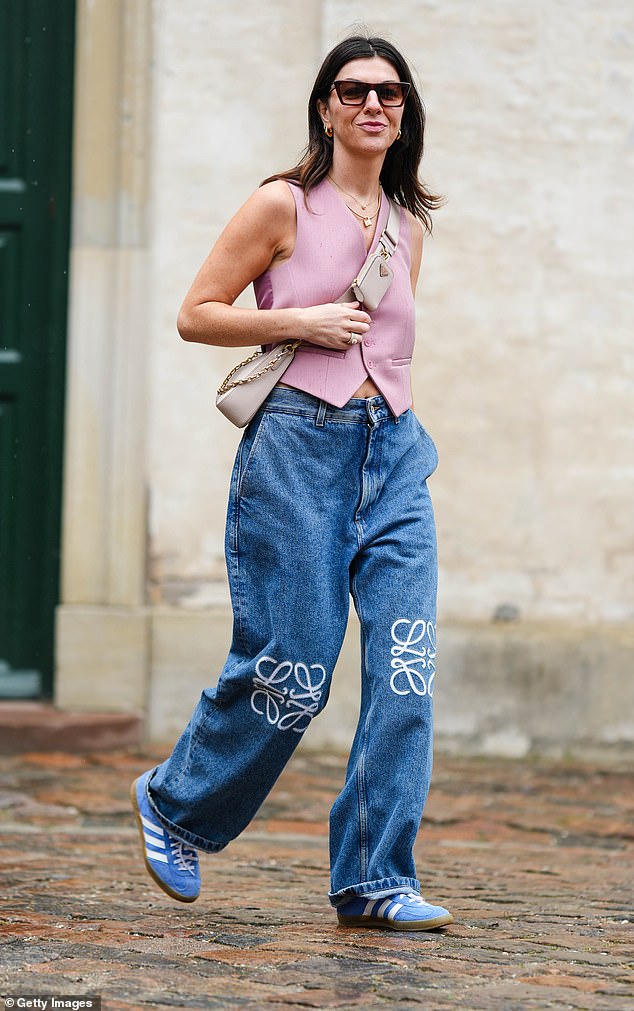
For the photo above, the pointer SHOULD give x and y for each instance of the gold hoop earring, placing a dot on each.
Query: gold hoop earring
(398, 136)
(328, 130)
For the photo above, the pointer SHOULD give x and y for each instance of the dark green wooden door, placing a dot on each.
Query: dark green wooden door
(36, 73)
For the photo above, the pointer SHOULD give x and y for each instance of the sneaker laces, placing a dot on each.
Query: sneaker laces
(414, 898)
(185, 858)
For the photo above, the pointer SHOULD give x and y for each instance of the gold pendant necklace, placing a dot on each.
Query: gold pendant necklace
(367, 221)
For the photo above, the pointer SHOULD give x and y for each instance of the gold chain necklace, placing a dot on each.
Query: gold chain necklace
(351, 195)
(367, 219)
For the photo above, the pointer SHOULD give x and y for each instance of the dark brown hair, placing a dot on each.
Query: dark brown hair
(399, 175)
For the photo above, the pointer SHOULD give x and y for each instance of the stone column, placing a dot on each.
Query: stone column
(102, 623)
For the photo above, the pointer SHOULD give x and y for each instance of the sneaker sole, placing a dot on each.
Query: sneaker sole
(162, 885)
(371, 921)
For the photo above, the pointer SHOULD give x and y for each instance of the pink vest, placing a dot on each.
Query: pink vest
(329, 250)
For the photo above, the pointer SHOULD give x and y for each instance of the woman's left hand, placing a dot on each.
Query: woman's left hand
(333, 325)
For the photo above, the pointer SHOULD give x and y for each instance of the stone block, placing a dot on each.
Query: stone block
(102, 658)
(523, 688)
(189, 649)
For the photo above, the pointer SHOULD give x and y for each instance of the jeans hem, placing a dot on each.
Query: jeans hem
(197, 841)
(374, 889)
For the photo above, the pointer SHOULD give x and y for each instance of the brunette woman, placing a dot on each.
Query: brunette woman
(328, 499)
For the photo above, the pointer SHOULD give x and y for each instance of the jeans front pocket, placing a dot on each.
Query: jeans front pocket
(428, 445)
(241, 464)
(250, 443)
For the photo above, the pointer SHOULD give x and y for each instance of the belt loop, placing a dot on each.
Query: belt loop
(321, 414)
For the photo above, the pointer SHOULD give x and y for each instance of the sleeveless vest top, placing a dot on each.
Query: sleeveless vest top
(329, 251)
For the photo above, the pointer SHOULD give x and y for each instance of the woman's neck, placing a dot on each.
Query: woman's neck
(358, 177)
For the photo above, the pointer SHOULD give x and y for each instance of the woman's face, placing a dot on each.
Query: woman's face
(371, 127)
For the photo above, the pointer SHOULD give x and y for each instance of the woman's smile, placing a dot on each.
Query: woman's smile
(372, 126)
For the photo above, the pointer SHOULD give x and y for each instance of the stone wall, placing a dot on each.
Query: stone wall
(524, 369)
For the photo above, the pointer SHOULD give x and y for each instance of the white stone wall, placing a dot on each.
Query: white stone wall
(524, 371)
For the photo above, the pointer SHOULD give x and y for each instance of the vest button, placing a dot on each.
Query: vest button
(368, 343)
(370, 365)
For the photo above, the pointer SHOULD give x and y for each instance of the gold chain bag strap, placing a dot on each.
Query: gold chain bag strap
(249, 383)
(246, 387)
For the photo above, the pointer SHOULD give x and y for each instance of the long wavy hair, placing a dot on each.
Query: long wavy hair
(399, 175)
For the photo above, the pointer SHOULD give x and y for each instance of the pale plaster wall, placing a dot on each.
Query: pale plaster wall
(230, 90)
(524, 370)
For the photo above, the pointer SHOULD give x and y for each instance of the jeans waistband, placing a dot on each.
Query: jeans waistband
(286, 400)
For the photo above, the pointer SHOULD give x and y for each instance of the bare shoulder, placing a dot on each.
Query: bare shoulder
(416, 230)
(273, 200)
(416, 233)
(269, 215)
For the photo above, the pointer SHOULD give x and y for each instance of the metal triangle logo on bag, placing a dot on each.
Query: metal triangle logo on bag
(383, 270)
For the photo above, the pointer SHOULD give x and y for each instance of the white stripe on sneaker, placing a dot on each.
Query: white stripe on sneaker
(152, 826)
(384, 905)
(394, 910)
(151, 855)
(154, 842)
(369, 906)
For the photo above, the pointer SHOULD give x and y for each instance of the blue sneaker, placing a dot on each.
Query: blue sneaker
(407, 911)
(172, 864)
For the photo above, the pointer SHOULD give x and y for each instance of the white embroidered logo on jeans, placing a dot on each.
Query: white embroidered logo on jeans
(414, 657)
(270, 699)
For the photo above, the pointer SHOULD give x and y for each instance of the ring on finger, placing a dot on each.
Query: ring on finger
(353, 339)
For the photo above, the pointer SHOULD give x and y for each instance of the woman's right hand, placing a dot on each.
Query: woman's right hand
(331, 325)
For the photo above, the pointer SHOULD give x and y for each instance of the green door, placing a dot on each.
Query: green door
(36, 75)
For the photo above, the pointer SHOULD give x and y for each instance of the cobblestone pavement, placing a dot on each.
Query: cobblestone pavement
(533, 858)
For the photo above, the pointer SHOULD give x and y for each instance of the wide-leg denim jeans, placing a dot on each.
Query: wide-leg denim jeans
(325, 503)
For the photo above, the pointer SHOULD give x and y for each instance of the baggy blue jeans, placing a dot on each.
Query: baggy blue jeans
(325, 502)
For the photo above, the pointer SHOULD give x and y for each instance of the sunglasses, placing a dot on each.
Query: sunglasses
(391, 93)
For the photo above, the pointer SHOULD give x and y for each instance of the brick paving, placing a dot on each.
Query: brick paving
(534, 858)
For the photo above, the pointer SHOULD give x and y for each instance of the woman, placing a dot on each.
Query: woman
(328, 498)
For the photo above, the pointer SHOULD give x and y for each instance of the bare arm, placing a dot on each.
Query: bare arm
(260, 235)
